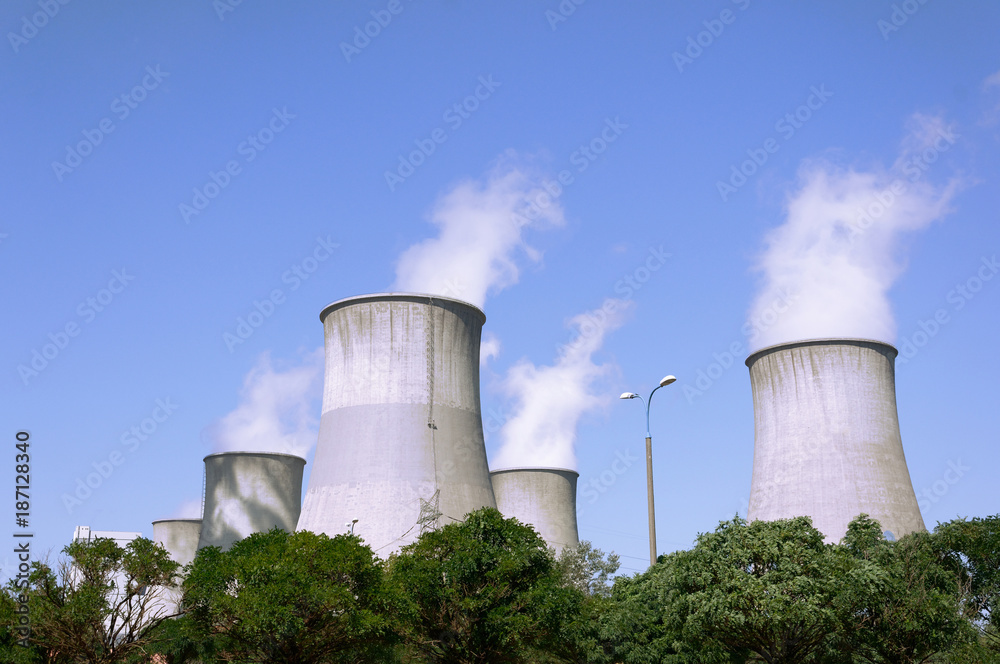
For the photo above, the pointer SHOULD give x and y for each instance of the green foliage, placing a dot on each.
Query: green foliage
(486, 590)
(909, 607)
(772, 589)
(280, 597)
(588, 569)
(102, 605)
(974, 545)
(14, 648)
(181, 640)
(774, 592)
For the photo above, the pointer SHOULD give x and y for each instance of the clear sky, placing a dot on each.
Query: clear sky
(168, 169)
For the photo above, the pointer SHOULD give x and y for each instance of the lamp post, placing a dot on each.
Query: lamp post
(649, 463)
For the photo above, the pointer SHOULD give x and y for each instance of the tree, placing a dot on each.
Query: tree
(974, 545)
(770, 588)
(763, 591)
(14, 646)
(291, 598)
(104, 602)
(587, 569)
(910, 608)
(486, 590)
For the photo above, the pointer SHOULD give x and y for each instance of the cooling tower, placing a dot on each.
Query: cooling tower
(180, 538)
(400, 445)
(826, 437)
(249, 492)
(541, 497)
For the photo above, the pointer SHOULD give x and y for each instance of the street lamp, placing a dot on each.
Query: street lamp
(649, 463)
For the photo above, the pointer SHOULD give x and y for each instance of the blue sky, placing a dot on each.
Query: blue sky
(200, 158)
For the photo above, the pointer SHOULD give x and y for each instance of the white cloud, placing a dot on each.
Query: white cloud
(489, 348)
(550, 400)
(189, 509)
(479, 243)
(278, 409)
(838, 251)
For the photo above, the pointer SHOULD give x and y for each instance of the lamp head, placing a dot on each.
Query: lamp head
(628, 395)
(667, 380)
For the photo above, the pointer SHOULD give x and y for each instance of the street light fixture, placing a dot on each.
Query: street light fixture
(649, 463)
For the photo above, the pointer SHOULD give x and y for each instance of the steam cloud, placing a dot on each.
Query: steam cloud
(489, 348)
(189, 509)
(277, 409)
(551, 399)
(479, 239)
(828, 268)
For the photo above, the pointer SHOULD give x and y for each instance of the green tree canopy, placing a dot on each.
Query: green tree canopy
(486, 590)
(974, 545)
(909, 609)
(103, 604)
(291, 598)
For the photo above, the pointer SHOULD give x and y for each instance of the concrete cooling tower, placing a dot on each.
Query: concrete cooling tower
(180, 538)
(400, 445)
(542, 497)
(249, 492)
(826, 437)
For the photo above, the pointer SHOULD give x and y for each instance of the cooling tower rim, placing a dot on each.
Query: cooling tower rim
(832, 341)
(175, 521)
(255, 454)
(420, 298)
(534, 468)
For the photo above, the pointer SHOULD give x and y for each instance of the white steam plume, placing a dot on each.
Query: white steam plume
(551, 399)
(479, 239)
(828, 268)
(277, 409)
(189, 509)
(489, 348)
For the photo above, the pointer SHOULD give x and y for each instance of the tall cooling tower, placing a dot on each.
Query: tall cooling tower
(180, 538)
(400, 444)
(826, 437)
(249, 492)
(542, 497)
